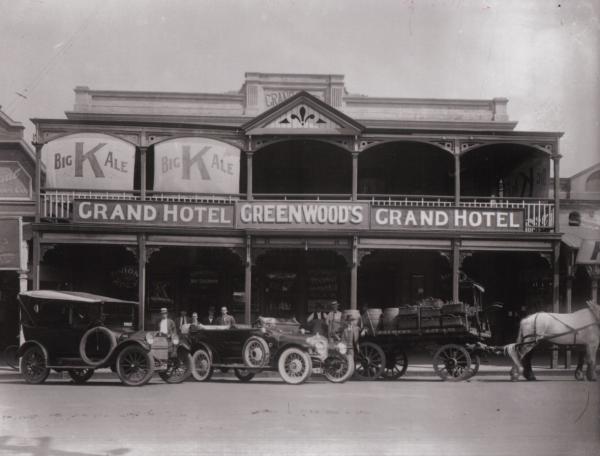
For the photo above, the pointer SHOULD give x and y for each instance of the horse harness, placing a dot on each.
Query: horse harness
(571, 330)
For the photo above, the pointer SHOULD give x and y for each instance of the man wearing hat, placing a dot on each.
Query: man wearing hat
(166, 326)
(334, 317)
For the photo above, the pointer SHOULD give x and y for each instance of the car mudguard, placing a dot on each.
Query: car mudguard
(30, 343)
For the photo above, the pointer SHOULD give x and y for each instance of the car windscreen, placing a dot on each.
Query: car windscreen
(119, 314)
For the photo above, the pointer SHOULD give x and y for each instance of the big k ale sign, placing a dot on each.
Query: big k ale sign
(91, 161)
(198, 165)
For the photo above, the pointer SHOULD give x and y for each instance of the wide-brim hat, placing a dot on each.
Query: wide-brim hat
(163, 310)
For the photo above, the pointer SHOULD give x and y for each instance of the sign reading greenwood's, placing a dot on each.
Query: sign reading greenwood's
(285, 215)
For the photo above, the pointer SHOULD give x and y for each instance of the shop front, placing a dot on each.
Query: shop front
(280, 212)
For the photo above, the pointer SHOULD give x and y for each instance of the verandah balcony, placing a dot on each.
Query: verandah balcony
(538, 213)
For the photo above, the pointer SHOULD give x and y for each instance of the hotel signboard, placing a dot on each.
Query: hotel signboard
(297, 215)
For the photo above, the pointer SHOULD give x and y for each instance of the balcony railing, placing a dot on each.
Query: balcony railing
(56, 205)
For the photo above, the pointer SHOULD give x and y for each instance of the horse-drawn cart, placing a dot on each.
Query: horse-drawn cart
(455, 334)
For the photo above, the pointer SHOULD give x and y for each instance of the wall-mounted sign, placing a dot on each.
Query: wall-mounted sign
(302, 215)
(15, 182)
(196, 165)
(10, 244)
(171, 214)
(275, 97)
(394, 218)
(89, 161)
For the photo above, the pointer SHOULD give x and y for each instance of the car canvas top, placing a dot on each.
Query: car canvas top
(78, 296)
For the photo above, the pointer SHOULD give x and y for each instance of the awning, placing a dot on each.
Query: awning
(78, 296)
(585, 239)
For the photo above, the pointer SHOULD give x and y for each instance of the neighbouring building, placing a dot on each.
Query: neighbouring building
(285, 194)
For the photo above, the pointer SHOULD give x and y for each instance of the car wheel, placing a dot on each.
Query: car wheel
(256, 352)
(97, 345)
(33, 365)
(80, 376)
(134, 366)
(201, 366)
(295, 366)
(244, 375)
(179, 367)
(338, 369)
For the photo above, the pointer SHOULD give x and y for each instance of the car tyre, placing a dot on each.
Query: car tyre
(256, 352)
(244, 375)
(338, 369)
(80, 376)
(33, 365)
(97, 330)
(179, 368)
(134, 366)
(295, 366)
(202, 369)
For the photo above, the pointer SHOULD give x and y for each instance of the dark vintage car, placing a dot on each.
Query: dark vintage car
(80, 332)
(269, 344)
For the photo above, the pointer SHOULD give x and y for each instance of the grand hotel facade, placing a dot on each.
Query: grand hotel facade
(285, 194)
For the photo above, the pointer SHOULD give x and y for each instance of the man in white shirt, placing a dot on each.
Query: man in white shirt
(166, 325)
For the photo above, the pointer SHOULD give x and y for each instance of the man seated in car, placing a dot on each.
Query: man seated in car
(225, 318)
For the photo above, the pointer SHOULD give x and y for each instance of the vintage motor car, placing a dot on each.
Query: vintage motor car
(80, 332)
(270, 344)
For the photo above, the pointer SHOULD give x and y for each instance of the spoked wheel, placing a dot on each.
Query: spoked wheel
(338, 369)
(396, 363)
(452, 362)
(201, 366)
(475, 364)
(256, 352)
(244, 375)
(80, 376)
(33, 365)
(134, 366)
(370, 361)
(179, 367)
(10, 356)
(295, 366)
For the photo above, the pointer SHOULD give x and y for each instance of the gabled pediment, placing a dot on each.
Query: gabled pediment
(302, 114)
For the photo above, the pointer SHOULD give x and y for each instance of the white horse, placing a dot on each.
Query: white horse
(580, 328)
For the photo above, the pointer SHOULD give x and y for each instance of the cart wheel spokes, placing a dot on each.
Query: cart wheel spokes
(396, 363)
(202, 368)
(33, 365)
(452, 362)
(179, 367)
(134, 366)
(370, 361)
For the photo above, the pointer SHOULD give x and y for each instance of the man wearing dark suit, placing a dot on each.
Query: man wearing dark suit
(225, 318)
(211, 319)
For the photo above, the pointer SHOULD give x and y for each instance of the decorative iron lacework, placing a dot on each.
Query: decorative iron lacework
(302, 116)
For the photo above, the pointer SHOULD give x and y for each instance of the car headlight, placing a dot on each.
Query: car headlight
(321, 348)
(342, 348)
(175, 339)
(150, 338)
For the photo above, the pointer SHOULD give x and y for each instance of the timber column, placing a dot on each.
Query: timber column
(248, 282)
(354, 274)
(36, 254)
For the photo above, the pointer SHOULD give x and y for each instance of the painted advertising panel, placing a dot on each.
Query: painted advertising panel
(91, 161)
(158, 214)
(460, 219)
(15, 182)
(302, 215)
(196, 165)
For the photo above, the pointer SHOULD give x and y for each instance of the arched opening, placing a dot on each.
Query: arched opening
(293, 282)
(592, 183)
(298, 167)
(505, 170)
(405, 168)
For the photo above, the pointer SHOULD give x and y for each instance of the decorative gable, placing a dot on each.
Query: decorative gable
(302, 114)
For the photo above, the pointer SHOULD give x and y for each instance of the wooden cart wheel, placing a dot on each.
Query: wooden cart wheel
(475, 364)
(370, 361)
(452, 362)
(396, 363)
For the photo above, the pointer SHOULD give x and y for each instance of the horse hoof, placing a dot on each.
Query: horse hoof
(579, 376)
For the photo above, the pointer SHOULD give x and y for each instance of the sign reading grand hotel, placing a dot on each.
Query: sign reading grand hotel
(91, 161)
(287, 215)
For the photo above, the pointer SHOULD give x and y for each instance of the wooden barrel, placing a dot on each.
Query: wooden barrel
(390, 317)
(351, 315)
(372, 318)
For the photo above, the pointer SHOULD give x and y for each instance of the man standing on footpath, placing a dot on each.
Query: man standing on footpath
(166, 326)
